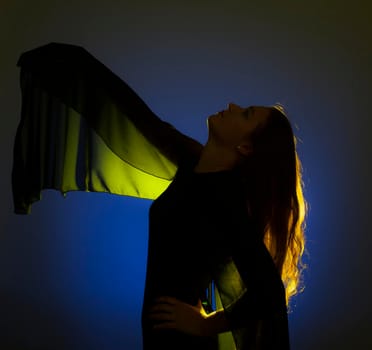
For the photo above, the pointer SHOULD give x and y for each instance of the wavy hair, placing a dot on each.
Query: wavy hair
(273, 180)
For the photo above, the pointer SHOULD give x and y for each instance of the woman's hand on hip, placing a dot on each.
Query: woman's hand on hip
(171, 313)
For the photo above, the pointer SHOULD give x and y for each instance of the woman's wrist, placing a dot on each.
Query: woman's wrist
(215, 322)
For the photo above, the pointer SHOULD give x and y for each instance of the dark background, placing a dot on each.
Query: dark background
(72, 273)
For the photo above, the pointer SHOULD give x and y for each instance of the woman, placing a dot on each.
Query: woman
(242, 190)
(233, 212)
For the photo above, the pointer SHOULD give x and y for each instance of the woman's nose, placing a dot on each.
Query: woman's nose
(233, 106)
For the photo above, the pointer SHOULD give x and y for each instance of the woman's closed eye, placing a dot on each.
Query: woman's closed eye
(247, 112)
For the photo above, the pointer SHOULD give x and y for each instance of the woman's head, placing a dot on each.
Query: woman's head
(230, 129)
(265, 148)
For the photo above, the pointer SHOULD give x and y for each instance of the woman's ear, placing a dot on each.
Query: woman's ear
(244, 149)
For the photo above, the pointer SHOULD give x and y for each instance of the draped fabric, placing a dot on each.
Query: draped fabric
(83, 128)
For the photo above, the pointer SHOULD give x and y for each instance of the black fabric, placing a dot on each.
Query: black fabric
(82, 128)
(200, 231)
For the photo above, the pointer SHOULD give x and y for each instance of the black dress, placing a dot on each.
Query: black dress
(82, 128)
(198, 227)
(184, 249)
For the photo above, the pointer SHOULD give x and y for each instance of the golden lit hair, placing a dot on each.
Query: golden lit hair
(288, 258)
(275, 194)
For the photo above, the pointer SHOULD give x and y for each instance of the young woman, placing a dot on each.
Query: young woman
(229, 213)
(238, 200)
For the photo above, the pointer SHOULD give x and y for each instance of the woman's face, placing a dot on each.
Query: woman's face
(233, 126)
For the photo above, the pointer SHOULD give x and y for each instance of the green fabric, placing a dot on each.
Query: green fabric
(76, 131)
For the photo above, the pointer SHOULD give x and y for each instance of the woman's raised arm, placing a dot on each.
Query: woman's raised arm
(83, 128)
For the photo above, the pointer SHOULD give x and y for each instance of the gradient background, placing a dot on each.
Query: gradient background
(72, 273)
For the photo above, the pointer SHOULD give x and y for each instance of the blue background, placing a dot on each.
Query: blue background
(72, 273)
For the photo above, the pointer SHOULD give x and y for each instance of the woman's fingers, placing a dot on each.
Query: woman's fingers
(162, 312)
(161, 317)
(165, 325)
(164, 305)
(167, 300)
(164, 308)
(171, 313)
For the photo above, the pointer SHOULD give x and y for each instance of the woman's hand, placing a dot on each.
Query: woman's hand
(171, 313)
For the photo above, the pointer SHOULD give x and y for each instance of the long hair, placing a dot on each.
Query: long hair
(273, 180)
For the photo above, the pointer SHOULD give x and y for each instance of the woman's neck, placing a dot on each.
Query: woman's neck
(214, 158)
